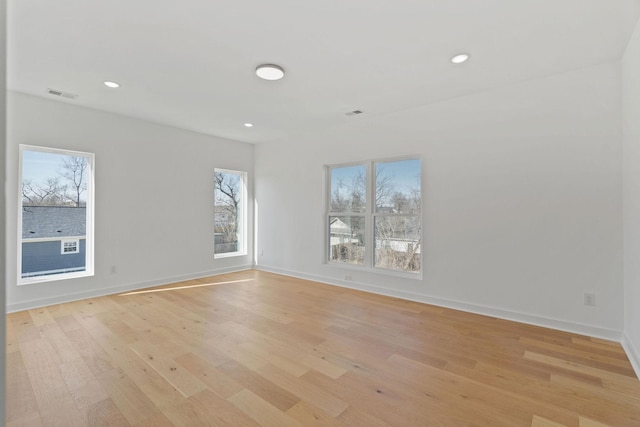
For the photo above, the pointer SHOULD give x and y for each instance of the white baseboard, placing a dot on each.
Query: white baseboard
(632, 353)
(561, 325)
(592, 331)
(27, 305)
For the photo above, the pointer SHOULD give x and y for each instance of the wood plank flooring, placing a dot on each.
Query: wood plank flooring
(259, 349)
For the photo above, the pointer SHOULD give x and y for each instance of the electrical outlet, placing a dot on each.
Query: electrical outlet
(590, 299)
(347, 277)
(114, 270)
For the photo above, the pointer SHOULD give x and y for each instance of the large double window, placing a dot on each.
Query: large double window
(55, 222)
(375, 214)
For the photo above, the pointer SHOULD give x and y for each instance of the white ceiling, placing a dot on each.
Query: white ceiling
(190, 63)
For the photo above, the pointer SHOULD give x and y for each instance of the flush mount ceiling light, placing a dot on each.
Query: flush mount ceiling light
(270, 71)
(460, 58)
(111, 84)
(248, 125)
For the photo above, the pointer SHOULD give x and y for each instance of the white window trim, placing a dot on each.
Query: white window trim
(51, 239)
(90, 200)
(242, 240)
(76, 245)
(369, 215)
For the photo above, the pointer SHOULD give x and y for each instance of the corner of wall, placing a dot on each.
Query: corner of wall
(3, 111)
(544, 322)
(631, 197)
(632, 353)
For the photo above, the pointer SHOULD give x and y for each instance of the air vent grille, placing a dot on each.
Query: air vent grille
(57, 92)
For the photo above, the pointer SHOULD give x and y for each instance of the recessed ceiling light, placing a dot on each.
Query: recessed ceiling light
(270, 71)
(460, 58)
(248, 125)
(111, 84)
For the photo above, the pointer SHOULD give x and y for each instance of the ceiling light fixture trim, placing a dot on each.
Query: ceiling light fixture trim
(270, 71)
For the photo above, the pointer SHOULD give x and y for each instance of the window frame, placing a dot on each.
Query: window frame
(89, 270)
(363, 214)
(370, 214)
(242, 223)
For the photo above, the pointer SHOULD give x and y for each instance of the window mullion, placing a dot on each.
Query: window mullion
(369, 222)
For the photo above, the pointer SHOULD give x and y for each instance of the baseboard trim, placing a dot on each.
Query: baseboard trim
(632, 353)
(588, 330)
(561, 325)
(27, 305)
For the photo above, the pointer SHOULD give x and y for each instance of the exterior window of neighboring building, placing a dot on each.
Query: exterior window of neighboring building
(230, 200)
(70, 246)
(55, 221)
(375, 215)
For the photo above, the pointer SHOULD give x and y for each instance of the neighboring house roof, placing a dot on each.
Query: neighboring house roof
(339, 227)
(40, 222)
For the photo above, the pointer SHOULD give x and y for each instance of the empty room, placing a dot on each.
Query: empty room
(338, 213)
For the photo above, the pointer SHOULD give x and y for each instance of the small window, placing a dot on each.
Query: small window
(230, 201)
(374, 215)
(55, 222)
(70, 247)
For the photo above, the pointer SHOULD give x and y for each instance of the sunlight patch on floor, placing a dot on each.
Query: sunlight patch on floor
(175, 288)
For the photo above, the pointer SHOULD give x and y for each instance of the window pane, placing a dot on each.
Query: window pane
(228, 220)
(398, 243)
(348, 189)
(398, 187)
(346, 239)
(55, 189)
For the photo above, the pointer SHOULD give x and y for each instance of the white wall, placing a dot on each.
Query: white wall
(154, 197)
(631, 196)
(522, 200)
(3, 20)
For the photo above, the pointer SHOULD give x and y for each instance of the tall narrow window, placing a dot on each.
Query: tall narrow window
(374, 215)
(56, 214)
(397, 215)
(230, 219)
(347, 214)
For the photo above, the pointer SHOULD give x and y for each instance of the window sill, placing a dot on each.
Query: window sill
(229, 255)
(376, 270)
(53, 277)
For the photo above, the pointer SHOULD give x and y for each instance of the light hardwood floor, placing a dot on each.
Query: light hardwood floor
(254, 348)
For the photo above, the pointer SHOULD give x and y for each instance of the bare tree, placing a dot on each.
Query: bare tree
(62, 190)
(74, 170)
(358, 192)
(349, 197)
(385, 188)
(338, 203)
(398, 234)
(48, 193)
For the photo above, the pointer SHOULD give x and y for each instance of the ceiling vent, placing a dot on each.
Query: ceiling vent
(61, 93)
(354, 112)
